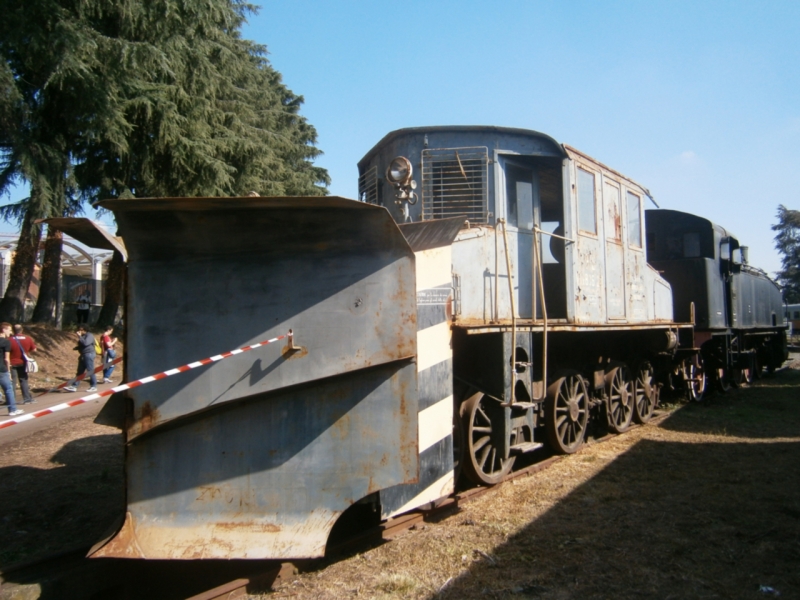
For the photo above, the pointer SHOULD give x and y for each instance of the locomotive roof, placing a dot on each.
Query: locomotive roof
(460, 129)
(669, 213)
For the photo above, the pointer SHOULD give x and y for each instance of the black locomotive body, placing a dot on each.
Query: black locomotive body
(737, 309)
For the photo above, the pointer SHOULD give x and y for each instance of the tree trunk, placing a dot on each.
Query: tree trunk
(115, 290)
(12, 307)
(50, 279)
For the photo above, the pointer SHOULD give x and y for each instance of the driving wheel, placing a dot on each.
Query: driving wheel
(695, 377)
(619, 388)
(645, 393)
(566, 413)
(483, 459)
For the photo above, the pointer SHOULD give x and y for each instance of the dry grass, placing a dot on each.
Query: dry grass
(706, 505)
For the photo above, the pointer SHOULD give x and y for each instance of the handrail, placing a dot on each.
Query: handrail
(513, 362)
(544, 315)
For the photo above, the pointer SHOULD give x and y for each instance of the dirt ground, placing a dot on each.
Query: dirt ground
(61, 487)
(704, 505)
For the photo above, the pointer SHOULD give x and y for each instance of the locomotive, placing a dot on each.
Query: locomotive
(737, 308)
(487, 294)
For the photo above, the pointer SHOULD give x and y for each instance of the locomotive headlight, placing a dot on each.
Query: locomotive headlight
(399, 171)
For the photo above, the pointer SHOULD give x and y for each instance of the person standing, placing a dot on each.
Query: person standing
(109, 353)
(84, 302)
(86, 356)
(22, 347)
(5, 367)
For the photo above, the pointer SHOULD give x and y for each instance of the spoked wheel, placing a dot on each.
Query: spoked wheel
(619, 388)
(758, 367)
(566, 413)
(483, 457)
(742, 376)
(722, 380)
(645, 393)
(695, 377)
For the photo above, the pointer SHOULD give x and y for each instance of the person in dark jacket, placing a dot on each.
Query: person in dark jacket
(86, 356)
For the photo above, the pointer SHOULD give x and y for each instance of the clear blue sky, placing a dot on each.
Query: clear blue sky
(698, 101)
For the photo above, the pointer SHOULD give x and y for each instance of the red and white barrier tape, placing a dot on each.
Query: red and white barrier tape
(138, 382)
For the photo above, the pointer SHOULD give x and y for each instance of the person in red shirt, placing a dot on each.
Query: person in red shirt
(20, 342)
(109, 353)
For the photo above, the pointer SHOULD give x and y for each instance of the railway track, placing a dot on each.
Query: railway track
(72, 575)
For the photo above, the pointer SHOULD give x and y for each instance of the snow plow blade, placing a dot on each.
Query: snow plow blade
(244, 457)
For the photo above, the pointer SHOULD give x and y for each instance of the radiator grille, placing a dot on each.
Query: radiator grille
(454, 183)
(368, 186)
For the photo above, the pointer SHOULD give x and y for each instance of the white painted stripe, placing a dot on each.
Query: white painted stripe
(434, 267)
(433, 346)
(435, 423)
(172, 372)
(147, 379)
(237, 351)
(194, 365)
(438, 489)
(216, 358)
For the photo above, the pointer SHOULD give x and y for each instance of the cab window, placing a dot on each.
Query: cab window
(586, 202)
(634, 220)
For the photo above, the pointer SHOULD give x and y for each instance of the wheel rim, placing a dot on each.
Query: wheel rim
(484, 462)
(722, 380)
(695, 378)
(567, 413)
(742, 376)
(644, 393)
(620, 399)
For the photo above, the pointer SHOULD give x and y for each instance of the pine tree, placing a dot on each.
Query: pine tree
(162, 98)
(787, 242)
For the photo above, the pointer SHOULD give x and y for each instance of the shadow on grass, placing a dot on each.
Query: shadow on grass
(49, 510)
(670, 519)
(63, 511)
(770, 408)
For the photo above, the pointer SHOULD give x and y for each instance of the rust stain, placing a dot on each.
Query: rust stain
(250, 527)
(341, 428)
(208, 493)
(148, 418)
(296, 352)
(123, 545)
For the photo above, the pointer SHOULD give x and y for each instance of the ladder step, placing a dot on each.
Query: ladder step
(525, 447)
(524, 405)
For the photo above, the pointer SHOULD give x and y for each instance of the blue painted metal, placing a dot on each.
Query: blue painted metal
(257, 455)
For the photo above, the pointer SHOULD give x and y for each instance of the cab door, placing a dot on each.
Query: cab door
(614, 251)
(522, 215)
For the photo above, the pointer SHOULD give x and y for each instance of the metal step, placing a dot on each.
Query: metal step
(524, 405)
(525, 447)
